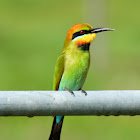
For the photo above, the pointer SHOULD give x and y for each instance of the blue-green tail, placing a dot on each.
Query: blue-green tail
(56, 128)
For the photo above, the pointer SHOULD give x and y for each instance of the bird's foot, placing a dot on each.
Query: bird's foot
(70, 91)
(83, 91)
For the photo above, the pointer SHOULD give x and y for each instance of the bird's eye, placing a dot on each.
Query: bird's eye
(82, 32)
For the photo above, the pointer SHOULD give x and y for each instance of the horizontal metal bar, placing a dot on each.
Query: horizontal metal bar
(50, 103)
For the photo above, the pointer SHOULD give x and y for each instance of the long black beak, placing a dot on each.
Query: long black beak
(97, 30)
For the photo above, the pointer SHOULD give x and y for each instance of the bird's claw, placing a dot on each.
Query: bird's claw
(83, 91)
(70, 91)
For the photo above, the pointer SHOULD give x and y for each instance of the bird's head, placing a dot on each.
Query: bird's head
(82, 33)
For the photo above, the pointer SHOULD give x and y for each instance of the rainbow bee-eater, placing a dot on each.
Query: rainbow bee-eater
(72, 65)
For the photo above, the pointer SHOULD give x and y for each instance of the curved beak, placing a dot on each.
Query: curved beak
(97, 30)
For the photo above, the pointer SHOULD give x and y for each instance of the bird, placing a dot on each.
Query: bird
(72, 65)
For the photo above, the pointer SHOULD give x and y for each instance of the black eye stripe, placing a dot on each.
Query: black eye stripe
(79, 33)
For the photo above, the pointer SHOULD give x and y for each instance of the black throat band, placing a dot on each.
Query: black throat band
(84, 47)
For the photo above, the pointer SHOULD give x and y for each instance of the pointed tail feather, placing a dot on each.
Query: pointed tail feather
(56, 129)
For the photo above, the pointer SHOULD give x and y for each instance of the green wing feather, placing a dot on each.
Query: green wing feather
(59, 68)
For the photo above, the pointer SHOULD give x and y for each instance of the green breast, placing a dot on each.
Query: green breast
(75, 70)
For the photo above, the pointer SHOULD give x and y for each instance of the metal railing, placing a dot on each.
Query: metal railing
(50, 103)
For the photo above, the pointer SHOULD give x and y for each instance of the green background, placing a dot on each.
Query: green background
(32, 33)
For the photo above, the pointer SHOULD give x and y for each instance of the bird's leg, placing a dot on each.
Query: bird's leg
(70, 91)
(83, 91)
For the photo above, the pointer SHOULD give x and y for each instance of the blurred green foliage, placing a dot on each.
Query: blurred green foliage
(32, 34)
